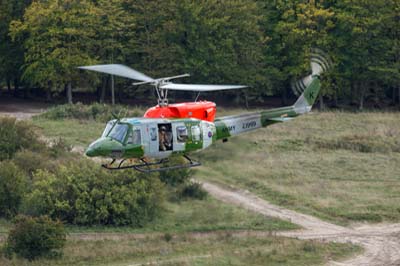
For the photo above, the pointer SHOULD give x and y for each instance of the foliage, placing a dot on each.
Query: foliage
(83, 193)
(15, 135)
(263, 44)
(99, 112)
(178, 176)
(52, 56)
(30, 161)
(11, 53)
(13, 186)
(193, 190)
(33, 237)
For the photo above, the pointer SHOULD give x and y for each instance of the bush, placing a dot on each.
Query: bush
(85, 194)
(100, 112)
(176, 177)
(30, 161)
(13, 185)
(31, 238)
(193, 190)
(16, 135)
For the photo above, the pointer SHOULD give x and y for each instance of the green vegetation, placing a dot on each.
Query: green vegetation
(13, 185)
(339, 166)
(98, 112)
(74, 132)
(14, 136)
(214, 249)
(192, 215)
(43, 180)
(69, 185)
(32, 238)
(263, 44)
(83, 193)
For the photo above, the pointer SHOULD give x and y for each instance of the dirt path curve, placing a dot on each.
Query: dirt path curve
(380, 242)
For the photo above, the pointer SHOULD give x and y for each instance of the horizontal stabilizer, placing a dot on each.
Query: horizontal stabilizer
(281, 119)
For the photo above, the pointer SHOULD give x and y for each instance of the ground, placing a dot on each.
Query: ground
(340, 167)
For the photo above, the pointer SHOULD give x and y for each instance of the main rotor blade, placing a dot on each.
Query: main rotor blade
(200, 87)
(119, 70)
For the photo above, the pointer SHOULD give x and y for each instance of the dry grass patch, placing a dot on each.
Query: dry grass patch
(220, 249)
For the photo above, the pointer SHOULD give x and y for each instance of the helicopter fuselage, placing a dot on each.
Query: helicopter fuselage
(152, 138)
(159, 138)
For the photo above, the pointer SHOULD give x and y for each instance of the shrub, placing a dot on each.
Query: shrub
(85, 194)
(59, 147)
(100, 112)
(30, 161)
(31, 238)
(176, 177)
(16, 135)
(13, 185)
(193, 190)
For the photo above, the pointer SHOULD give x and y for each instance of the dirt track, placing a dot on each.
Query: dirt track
(20, 109)
(381, 242)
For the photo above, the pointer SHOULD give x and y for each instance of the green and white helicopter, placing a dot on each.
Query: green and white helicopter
(146, 143)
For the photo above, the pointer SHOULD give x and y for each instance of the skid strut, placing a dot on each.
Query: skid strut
(148, 167)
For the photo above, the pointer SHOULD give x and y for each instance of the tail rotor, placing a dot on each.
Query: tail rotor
(319, 62)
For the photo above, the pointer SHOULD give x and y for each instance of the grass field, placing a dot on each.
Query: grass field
(192, 216)
(218, 250)
(340, 166)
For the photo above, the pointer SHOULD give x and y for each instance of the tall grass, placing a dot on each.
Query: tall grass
(340, 166)
(217, 249)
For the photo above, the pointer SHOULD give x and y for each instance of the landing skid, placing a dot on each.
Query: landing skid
(147, 167)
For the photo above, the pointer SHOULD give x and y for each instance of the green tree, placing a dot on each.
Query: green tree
(57, 37)
(299, 26)
(11, 54)
(214, 41)
(360, 45)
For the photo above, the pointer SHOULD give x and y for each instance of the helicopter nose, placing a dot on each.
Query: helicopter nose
(90, 152)
(97, 148)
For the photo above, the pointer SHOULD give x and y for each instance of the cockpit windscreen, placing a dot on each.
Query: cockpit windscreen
(118, 132)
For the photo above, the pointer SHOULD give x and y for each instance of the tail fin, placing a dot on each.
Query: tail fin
(309, 87)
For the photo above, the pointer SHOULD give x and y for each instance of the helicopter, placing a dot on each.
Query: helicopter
(146, 143)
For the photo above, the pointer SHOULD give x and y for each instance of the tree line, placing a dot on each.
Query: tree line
(264, 44)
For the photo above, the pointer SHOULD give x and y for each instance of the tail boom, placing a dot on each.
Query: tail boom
(237, 124)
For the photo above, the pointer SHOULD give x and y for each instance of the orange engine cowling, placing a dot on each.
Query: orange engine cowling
(203, 110)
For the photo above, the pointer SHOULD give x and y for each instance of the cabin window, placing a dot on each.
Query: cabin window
(118, 132)
(181, 134)
(153, 134)
(195, 133)
(109, 125)
(135, 137)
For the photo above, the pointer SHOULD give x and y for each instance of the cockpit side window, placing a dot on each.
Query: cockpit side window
(135, 137)
(118, 132)
(181, 134)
